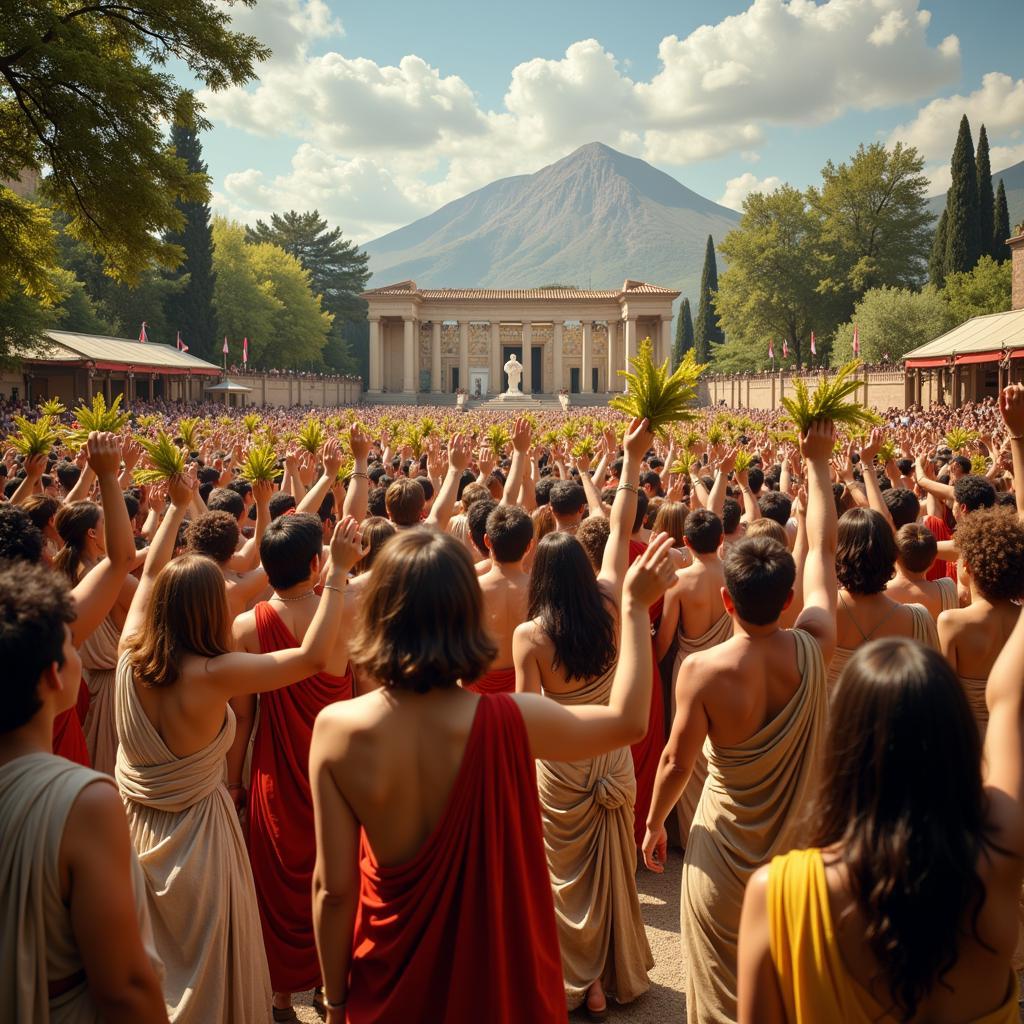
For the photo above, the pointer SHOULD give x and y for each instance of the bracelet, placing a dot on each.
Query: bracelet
(337, 590)
(335, 1006)
(627, 487)
(356, 473)
(1016, 437)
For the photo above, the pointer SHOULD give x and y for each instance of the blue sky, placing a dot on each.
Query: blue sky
(380, 113)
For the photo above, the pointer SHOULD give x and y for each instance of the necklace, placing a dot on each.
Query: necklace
(298, 597)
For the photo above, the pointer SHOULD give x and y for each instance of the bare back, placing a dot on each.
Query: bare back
(298, 617)
(972, 637)
(399, 754)
(505, 591)
(864, 617)
(698, 589)
(905, 590)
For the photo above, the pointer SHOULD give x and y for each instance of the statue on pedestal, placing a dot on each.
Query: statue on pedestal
(514, 369)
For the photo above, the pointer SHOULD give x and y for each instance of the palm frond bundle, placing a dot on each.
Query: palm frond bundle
(979, 464)
(657, 395)
(52, 407)
(165, 459)
(188, 431)
(549, 438)
(743, 460)
(584, 448)
(887, 451)
(252, 422)
(715, 435)
(33, 437)
(98, 416)
(959, 439)
(498, 438)
(311, 436)
(260, 463)
(146, 421)
(831, 401)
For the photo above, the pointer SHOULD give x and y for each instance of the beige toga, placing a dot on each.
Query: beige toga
(924, 633)
(721, 631)
(198, 880)
(37, 792)
(750, 811)
(99, 661)
(587, 813)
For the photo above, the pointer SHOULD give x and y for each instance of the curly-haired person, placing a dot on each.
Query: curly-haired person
(992, 556)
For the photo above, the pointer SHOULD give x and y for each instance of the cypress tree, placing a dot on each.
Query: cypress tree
(986, 198)
(937, 259)
(684, 333)
(706, 329)
(190, 310)
(963, 230)
(1001, 230)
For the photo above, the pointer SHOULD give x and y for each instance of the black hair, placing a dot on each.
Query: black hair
(288, 548)
(20, 539)
(703, 531)
(775, 505)
(567, 498)
(510, 531)
(974, 492)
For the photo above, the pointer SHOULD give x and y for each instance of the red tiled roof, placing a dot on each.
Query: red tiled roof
(408, 288)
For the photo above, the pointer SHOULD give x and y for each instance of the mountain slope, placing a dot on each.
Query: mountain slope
(592, 219)
(1013, 180)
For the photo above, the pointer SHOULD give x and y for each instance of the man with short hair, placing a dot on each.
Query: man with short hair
(404, 501)
(281, 842)
(759, 699)
(568, 502)
(77, 937)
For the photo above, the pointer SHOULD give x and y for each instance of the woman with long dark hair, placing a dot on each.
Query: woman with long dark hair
(905, 906)
(567, 650)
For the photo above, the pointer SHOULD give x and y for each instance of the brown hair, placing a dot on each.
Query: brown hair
(759, 575)
(593, 534)
(214, 534)
(992, 547)
(420, 624)
(767, 528)
(73, 522)
(917, 547)
(671, 518)
(187, 614)
(865, 551)
(473, 492)
(404, 500)
(376, 532)
(41, 508)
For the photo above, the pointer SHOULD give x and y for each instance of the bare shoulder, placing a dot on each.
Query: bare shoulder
(96, 820)
(243, 628)
(345, 722)
(529, 632)
(700, 669)
(953, 620)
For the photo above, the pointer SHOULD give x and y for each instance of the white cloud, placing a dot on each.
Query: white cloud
(998, 104)
(419, 136)
(737, 189)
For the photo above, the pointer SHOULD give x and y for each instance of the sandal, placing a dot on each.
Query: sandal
(596, 1015)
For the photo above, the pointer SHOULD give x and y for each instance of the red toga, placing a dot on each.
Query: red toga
(465, 930)
(647, 752)
(941, 530)
(68, 738)
(498, 680)
(282, 846)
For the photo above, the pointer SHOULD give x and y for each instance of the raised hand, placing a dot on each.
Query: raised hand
(358, 442)
(817, 443)
(1011, 408)
(638, 439)
(180, 489)
(103, 452)
(346, 544)
(521, 434)
(331, 456)
(459, 452)
(870, 449)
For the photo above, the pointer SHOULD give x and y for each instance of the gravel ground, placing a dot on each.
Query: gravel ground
(665, 1001)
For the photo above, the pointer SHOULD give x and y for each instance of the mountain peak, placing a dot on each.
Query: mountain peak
(593, 218)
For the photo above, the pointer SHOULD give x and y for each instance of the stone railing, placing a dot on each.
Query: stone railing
(882, 388)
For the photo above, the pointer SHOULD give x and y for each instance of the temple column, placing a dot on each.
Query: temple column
(375, 354)
(614, 379)
(556, 384)
(527, 358)
(464, 355)
(496, 365)
(408, 360)
(586, 376)
(666, 338)
(435, 357)
(630, 342)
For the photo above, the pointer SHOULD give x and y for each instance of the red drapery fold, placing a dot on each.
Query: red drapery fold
(282, 847)
(498, 680)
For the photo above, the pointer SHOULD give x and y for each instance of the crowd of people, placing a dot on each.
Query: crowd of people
(401, 724)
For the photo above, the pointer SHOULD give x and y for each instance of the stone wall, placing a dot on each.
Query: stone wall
(882, 389)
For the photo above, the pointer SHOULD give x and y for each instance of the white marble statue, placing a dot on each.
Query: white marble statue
(514, 369)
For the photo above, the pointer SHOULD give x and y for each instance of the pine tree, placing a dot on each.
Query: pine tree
(1001, 230)
(190, 309)
(986, 198)
(963, 230)
(937, 260)
(706, 329)
(684, 333)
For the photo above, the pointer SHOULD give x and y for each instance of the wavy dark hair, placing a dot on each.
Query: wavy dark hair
(73, 522)
(866, 551)
(567, 602)
(902, 798)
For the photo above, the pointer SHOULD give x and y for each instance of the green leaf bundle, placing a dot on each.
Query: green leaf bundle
(311, 437)
(166, 459)
(715, 434)
(498, 438)
(188, 431)
(830, 401)
(657, 395)
(98, 416)
(52, 407)
(584, 448)
(743, 460)
(251, 421)
(549, 438)
(979, 464)
(960, 439)
(33, 438)
(260, 464)
(415, 438)
(887, 451)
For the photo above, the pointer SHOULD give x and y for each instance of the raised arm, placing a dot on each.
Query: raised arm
(86, 478)
(616, 553)
(239, 673)
(927, 482)
(562, 733)
(594, 503)
(874, 491)
(716, 499)
(459, 451)
(35, 466)
(247, 557)
(357, 497)
(820, 585)
(314, 497)
(97, 591)
(1011, 407)
(520, 460)
(180, 490)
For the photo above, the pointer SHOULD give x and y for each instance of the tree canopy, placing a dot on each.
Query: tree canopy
(684, 333)
(891, 322)
(707, 329)
(985, 289)
(84, 93)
